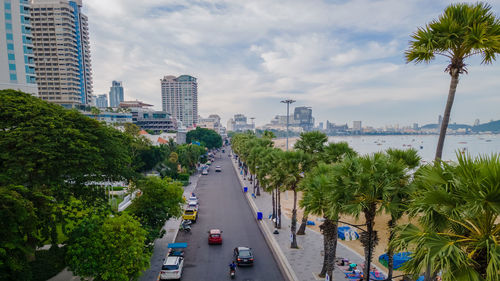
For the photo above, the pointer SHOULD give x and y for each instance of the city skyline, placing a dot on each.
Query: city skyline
(347, 66)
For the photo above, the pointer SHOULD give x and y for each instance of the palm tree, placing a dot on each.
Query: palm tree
(271, 178)
(371, 179)
(323, 196)
(397, 199)
(458, 206)
(293, 164)
(311, 143)
(464, 30)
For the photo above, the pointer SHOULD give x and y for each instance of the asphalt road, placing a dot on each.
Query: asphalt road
(223, 206)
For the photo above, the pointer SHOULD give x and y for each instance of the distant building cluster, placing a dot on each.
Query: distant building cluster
(239, 123)
(300, 121)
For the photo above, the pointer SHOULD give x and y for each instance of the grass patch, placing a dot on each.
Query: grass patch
(48, 263)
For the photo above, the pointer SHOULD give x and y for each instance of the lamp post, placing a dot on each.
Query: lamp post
(288, 102)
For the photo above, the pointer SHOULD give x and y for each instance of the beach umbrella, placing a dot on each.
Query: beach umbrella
(399, 259)
(347, 233)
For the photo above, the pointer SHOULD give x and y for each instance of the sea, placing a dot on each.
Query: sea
(473, 145)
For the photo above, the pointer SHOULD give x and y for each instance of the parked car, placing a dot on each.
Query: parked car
(215, 236)
(172, 268)
(193, 198)
(218, 169)
(190, 214)
(204, 172)
(193, 204)
(243, 256)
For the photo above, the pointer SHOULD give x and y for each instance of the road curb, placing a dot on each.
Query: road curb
(279, 256)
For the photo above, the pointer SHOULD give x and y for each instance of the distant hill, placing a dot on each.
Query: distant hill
(493, 126)
(450, 126)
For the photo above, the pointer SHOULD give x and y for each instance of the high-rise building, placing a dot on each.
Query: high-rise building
(17, 64)
(62, 52)
(179, 97)
(102, 101)
(320, 126)
(303, 116)
(115, 94)
(356, 126)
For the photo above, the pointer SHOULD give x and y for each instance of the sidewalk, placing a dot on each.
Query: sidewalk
(306, 261)
(160, 247)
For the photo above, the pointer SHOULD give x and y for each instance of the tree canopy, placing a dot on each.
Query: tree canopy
(208, 138)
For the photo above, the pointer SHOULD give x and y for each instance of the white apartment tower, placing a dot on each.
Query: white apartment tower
(179, 97)
(17, 64)
(62, 52)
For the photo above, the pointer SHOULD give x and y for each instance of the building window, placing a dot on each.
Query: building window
(8, 16)
(11, 56)
(10, 46)
(7, 6)
(9, 36)
(8, 26)
(12, 66)
(13, 77)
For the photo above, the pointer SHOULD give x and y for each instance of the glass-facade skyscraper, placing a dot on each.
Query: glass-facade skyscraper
(179, 97)
(17, 65)
(115, 94)
(62, 52)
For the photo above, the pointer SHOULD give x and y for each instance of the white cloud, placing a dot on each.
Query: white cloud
(249, 54)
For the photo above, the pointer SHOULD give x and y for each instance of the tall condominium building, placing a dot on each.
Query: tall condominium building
(115, 94)
(17, 64)
(303, 116)
(102, 101)
(179, 97)
(62, 52)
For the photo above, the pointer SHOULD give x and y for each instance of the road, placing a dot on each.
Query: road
(223, 206)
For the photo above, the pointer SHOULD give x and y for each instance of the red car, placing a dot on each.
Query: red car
(215, 236)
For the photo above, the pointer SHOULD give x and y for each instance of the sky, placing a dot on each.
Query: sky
(343, 58)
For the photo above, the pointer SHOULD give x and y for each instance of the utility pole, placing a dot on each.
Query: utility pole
(253, 123)
(288, 102)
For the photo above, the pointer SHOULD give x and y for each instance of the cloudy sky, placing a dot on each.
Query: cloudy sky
(343, 58)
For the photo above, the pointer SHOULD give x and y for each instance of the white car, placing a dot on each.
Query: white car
(204, 172)
(193, 199)
(218, 169)
(172, 268)
(193, 203)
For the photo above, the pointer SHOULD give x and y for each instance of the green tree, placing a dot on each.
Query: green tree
(323, 195)
(458, 208)
(206, 137)
(371, 179)
(160, 200)
(313, 144)
(108, 249)
(293, 164)
(18, 220)
(462, 31)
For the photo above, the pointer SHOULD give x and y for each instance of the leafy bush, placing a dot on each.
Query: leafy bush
(48, 263)
(183, 177)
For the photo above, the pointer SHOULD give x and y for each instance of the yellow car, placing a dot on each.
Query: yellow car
(190, 214)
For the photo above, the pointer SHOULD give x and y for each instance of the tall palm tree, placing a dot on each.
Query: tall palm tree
(397, 200)
(293, 164)
(313, 144)
(324, 196)
(458, 206)
(464, 30)
(371, 179)
(271, 178)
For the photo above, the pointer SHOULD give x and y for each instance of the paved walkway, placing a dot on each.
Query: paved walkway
(306, 261)
(160, 248)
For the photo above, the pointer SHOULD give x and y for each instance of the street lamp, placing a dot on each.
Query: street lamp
(288, 102)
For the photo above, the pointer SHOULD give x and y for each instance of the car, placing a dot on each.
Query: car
(193, 198)
(190, 214)
(193, 204)
(218, 169)
(172, 268)
(215, 236)
(208, 163)
(204, 172)
(243, 256)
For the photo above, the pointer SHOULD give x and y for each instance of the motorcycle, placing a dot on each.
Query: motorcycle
(232, 273)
